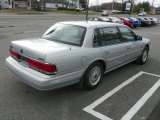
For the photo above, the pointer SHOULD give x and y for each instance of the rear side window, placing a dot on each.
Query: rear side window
(127, 34)
(109, 36)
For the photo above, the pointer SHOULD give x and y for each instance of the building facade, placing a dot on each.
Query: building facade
(70, 4)
(16, 4)
(22, 4)
(5, 4)
(157, 11)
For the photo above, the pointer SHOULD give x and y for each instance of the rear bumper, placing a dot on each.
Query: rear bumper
(39, 80)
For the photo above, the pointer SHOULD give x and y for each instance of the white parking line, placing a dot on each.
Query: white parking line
(141, 102)
(132, 111)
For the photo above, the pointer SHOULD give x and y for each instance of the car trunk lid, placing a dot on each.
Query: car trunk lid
(37, 48)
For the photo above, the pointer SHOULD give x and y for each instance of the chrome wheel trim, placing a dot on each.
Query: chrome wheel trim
(144, 56)
(95, 75)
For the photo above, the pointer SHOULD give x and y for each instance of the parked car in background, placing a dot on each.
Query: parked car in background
(146, 18)
(136, 22)
(144, 22)
(152, 13)
(102, 19)
(154, 20)
(116, 20)
(142, 14)
(127, 22)
(106, 13)
(116, 11)
(75, 52)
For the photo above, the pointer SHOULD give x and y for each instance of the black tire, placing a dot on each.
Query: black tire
(143, 57)
(88, 82)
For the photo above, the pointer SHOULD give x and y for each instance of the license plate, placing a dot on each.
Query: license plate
(24, 59)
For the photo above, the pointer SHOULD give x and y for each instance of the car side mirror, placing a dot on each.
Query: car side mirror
(137, 37)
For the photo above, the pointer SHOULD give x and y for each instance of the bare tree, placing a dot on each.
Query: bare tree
(153, 2)
(44, 5)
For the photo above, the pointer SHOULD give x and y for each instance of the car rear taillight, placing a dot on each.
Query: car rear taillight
(42, 67)
(14, 54)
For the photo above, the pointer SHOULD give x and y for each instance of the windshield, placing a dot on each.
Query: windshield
(68, 34)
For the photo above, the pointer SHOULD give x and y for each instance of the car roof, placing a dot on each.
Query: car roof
(91, 24)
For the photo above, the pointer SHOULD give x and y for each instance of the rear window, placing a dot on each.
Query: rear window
(68, 34)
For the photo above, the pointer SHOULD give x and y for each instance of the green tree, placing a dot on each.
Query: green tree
(83, 3)
(145, 5)
(44, 5)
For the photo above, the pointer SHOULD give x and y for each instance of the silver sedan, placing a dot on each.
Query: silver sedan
(75, 52)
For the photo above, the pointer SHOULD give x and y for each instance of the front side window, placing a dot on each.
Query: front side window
(109, 36)
(68, 34)
(127, 34)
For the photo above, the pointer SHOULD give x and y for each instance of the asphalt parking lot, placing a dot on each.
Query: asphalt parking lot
(130, 92)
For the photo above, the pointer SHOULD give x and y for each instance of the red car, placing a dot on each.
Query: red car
(127, 22)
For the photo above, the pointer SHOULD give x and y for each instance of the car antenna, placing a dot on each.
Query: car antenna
(87, 3)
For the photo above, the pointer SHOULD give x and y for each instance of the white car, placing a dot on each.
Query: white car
(106, 13)
(142, 14)
(154, 20)
(116, 20)
(75, 52)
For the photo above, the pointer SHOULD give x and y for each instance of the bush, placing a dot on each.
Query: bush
(69, 9)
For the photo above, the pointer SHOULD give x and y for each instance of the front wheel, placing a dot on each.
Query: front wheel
(93, 76)
(144, 56)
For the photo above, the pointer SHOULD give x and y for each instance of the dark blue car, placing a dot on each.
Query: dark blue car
(136, 22)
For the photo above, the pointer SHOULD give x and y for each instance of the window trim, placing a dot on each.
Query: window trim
(119, 35)
(118, 27)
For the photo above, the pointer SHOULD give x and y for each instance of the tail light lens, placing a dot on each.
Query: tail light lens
(45, 68)
(42, 67)
(14, 54)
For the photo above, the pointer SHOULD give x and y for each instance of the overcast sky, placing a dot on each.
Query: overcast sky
(94, 2)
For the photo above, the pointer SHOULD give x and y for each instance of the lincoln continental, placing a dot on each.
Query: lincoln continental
(75, 52)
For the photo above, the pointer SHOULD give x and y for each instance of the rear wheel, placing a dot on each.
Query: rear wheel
(93, 76)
